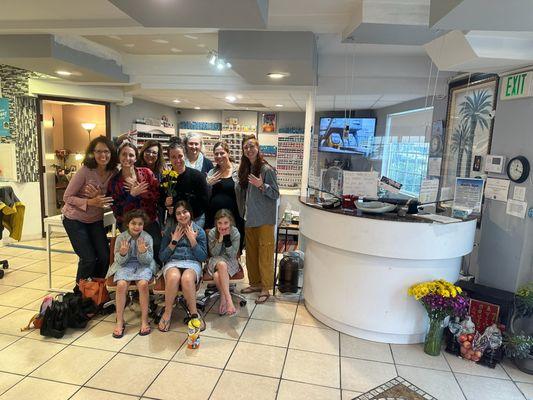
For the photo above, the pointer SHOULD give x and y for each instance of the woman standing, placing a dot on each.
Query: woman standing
(222, 180)
(83, 213)
(195, 157)
(151, 156)
(135, 188)
(257, 194)
(190, 185)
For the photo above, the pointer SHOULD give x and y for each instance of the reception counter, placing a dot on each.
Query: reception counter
(358, 269)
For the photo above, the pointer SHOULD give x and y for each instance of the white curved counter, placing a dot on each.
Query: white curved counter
(358, 270)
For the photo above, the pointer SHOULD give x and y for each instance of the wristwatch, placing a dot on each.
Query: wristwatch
(174, 242)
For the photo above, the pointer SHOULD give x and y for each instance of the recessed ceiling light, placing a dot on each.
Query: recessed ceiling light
(231, 98)
(174, 50)
(130, 45)
(201, 45)
(197, 108)
(162, 41)
(63, 73)
(114, 37)
(176, 101)
(279, 105)
(191, 37)
(277, 75)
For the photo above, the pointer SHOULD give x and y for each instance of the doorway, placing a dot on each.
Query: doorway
(66, 128)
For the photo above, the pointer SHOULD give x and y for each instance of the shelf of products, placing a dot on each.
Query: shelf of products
(233, 135)
(289, 159)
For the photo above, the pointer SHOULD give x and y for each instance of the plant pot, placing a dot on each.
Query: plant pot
(433, 342)
(522, 325)
(524, 364)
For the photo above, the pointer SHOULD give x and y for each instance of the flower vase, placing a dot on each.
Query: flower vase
(433, 342)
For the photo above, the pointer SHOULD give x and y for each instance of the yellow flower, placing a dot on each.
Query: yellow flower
(165, 185)
(166, 172)
(173, 174)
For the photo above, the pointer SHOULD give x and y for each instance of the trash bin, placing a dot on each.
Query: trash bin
(289, 272)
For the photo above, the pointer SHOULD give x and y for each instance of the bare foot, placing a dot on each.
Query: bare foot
(230, 308)
(222, 308)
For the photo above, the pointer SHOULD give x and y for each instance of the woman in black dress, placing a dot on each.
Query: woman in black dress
(221, 180)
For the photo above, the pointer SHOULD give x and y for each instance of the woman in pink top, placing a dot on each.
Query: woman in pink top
(83, 213)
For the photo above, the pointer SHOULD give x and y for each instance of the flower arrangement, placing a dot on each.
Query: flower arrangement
(169, 181)
(441, 299)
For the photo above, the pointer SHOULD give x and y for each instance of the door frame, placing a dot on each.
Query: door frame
(39, 121)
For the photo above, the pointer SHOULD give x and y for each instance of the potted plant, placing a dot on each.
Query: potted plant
(441, 299)
(518, 343)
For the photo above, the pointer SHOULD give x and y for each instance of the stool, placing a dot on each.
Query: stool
(212, 293)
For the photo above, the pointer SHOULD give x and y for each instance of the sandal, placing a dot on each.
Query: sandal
(121, 334)
(251, 289)
(164, 325)
(145, 331)
(262, 298)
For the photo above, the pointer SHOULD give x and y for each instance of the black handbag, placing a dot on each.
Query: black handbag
(55, 320)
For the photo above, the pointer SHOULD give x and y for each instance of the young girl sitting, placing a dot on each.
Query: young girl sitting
(183, 249)
(134, 261)
(224, 242)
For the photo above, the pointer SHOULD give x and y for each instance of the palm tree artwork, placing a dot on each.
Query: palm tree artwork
(474, 111)
(458, 143)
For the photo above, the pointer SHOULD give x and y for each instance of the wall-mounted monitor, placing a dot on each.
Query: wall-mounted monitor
(346, 135)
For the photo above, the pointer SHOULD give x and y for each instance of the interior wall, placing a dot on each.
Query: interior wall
(75, 137)
(506, 245)
(123, 117)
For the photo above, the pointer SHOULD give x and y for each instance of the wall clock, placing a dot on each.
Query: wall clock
(518, 169)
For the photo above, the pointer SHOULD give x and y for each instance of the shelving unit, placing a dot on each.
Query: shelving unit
(161, 134)
(233, 135)
(289, 159)
(209, 139)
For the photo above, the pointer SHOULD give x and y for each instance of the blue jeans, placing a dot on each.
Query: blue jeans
(89, 242)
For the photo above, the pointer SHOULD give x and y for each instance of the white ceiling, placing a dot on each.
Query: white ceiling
(349, 75)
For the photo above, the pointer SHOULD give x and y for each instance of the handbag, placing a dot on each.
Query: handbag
(94, 289)
(55, 320)
(37, 320)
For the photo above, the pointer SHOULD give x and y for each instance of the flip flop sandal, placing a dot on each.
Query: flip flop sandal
(121, 334)
(262, 298)
(166, 325)
(250, 290)
(145, 332)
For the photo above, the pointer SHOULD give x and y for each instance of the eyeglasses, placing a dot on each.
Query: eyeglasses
(102, 152)
(151, 153)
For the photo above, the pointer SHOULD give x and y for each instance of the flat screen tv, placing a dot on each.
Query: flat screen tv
(346, 135)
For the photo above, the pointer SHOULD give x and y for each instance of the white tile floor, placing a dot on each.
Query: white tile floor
(272, 351)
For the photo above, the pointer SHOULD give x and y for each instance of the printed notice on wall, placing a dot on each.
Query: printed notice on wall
(519, 193)
(434, 164)
(497, 189)
(468, 194)
(362, 184)
(516, 208)
(429, 190)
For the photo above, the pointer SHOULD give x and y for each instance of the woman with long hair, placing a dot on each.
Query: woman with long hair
(83, 213)
(196, 159)
(190, 185)
(135, 188)
(257, 195)
(151, 156)
(222, 180)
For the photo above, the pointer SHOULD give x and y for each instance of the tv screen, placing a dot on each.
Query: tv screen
(346, 135)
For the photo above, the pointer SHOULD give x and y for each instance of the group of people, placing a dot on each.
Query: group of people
(162, 213)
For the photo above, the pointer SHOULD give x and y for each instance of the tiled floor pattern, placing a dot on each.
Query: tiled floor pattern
(272, 351)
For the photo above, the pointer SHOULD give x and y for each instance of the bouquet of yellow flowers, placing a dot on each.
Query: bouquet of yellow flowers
(441, 299)
(169, 181)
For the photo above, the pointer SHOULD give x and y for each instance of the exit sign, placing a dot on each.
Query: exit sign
(516, 86)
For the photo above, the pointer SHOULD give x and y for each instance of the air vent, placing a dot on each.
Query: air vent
(249, 105)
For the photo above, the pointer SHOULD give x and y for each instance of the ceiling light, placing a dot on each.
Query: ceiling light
(221, 64)
(231, 98)
(216, 60)
(197, 108)
(279, 105)
(175, 50)
(176, 101)
(63, 73)
(228, 65)
(212, 59)
(130, 45)
(162, 41)
(201, 45)
(277, 75)
(114, 37)
(191, 37)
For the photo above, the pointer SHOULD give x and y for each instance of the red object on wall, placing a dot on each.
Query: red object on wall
(483, 314)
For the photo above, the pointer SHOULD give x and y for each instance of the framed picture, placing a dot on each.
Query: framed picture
(469, 126)
(268, 123)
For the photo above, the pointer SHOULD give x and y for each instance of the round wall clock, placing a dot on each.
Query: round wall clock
(518, 169)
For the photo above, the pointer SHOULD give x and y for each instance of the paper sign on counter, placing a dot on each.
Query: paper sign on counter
(497, 189)
(429, 190)
(519, 193)
(363, 184)
(516, 208)
(468, 194)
